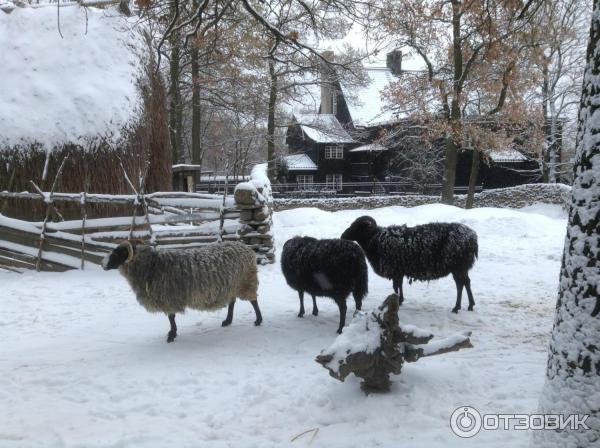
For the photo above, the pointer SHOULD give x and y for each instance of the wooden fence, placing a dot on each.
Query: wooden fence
(167, 220)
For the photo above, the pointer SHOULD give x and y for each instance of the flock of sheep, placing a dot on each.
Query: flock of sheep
(213, 276)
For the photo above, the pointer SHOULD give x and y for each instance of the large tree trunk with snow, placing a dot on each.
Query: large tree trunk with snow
(573, 373)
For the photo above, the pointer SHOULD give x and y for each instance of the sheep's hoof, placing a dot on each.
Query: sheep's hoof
(226, 323)
(257, 322)
(339, 331)
(301, 314)
(171, 336)
(315, 312)
(455, 310)
(470, 307)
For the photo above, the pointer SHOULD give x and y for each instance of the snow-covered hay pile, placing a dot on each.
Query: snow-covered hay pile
(84, 89)
(67, 89)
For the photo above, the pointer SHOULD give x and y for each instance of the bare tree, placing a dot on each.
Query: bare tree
(472, 53)
(559, 41)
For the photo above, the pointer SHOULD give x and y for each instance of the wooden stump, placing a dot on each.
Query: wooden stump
(375, 345)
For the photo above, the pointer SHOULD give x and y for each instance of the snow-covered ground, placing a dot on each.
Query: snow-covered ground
(83, 365)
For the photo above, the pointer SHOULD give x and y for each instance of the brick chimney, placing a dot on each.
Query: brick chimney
(394, 62)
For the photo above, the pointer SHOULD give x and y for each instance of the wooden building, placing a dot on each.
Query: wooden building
(344, 139)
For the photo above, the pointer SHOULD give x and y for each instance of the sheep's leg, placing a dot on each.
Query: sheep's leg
(358, 302)
(341, 303)
(459, 287)
(398, 288)
(229, 317)
(173, 332)
(469, 293)
(301, 296)
(258, 320)
(315, 309)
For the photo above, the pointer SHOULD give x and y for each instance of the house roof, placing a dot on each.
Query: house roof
(323, 128)
(370, 147)
(365, 104)
(70, 88)
(300, 162)
(506, 155)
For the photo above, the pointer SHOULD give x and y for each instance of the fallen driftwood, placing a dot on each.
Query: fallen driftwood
(375, 345)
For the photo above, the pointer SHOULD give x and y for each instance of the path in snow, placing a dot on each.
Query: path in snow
(83, 365)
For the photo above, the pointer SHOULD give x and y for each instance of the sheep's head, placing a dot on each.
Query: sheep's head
(361, 229)
(121, 254)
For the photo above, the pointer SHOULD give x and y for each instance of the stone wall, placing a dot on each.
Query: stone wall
(255, 202)
(513, 197)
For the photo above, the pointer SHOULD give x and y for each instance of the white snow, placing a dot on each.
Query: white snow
(66, 89)
(506, 155)
(323, 128)
(82, 364)
(297, 162)
(366, 104)
(369, 148)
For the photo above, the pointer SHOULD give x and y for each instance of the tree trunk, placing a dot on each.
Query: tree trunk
(449, 171)
(175, 106)
(196, 131)
(545, 88)
(271, 168)
(573, 369)
(449, 179)
(473, 179)
(552, 143)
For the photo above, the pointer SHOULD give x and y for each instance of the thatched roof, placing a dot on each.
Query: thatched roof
(70, 89)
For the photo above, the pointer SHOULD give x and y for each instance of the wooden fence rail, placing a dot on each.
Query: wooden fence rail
(169, 220)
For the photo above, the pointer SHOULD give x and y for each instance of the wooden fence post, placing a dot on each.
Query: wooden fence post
(49, 206)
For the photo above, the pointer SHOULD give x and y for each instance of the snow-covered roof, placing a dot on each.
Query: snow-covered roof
(298, 162)
(323, 128)
(370, 147)
(506, 155)
(67, 89)
(365, 104)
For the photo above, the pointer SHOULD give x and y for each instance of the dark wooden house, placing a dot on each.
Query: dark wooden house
(344, 139)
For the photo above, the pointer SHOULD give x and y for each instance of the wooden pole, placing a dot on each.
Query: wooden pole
(83, 219)
(48, 200)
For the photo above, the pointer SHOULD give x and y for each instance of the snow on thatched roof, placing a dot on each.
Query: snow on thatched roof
(323, 128)
(68, 89)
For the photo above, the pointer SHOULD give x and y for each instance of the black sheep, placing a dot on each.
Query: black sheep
(331, 268)
(425, 252)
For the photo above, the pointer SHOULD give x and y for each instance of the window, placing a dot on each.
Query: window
(334, 152)
(304, 181)
(333, 181)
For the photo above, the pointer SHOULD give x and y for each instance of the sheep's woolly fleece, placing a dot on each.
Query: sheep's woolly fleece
(204, 278)
(329, 267)
(425, 252)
